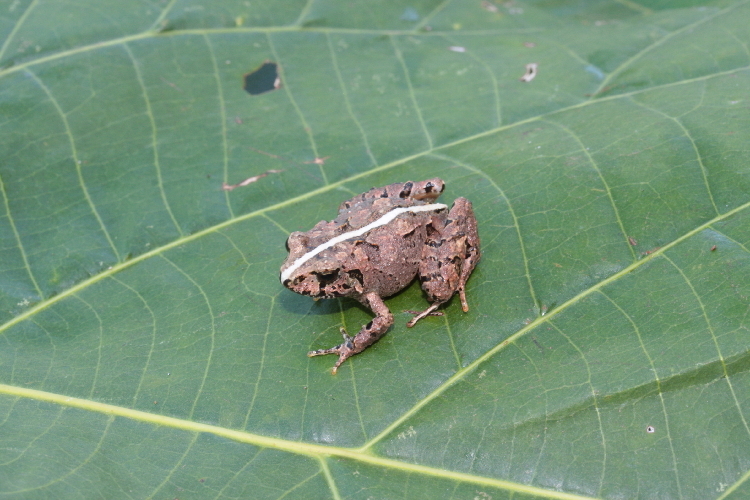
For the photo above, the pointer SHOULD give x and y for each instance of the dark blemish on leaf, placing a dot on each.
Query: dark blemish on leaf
(533, 339)
(263, 79)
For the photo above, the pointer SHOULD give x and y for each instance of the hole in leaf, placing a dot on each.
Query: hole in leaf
(263, 79)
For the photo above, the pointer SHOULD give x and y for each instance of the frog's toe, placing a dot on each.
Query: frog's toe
(462, 295)
(430, 311)
(344, 350)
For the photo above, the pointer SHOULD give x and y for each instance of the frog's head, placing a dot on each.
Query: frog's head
(428, 190)
(318, 275)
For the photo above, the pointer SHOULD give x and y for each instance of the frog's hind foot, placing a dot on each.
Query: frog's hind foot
(430, 311)
(344, 350)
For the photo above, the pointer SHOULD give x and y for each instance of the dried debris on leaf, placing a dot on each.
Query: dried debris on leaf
(530, 72)
(249, 180)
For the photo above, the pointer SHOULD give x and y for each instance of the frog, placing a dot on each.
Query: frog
(380, 241)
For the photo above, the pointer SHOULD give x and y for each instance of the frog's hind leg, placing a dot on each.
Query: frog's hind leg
(471, 248)
(368, 334)
(450, 254)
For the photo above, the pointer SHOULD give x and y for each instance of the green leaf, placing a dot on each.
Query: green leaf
(149, 351)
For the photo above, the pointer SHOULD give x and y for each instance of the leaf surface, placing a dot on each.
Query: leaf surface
(149, 350)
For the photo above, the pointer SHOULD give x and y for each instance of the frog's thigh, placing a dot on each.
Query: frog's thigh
(468, 224)
(450, 255)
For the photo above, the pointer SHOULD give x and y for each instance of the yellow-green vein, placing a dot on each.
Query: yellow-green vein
(16, 26)
(461, 374)
(517, 226)
(19, 242)
(604, 182)
(262, 360)
(596, 403)
(710, 327)
(698, 157)
(211, 349)
(303, 121)
(410, 87)
(153, 336)
(654, 371)
(347, 101)
(76, 161)
(223, 118)
(317, 451)
(687, 28)
(154, 141)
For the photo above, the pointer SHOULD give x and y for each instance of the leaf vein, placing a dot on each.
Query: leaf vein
(199, 392)
(604, 182)
(154, 141)
(76, 161)
(303, 121)
(347, 100)
(410, 87)
(711, 331)
(223, 118)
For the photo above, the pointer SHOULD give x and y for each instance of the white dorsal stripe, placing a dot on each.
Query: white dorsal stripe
(385, 219)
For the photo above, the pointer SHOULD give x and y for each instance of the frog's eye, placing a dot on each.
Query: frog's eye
(296, 239)
(406, 190)
(433, 187)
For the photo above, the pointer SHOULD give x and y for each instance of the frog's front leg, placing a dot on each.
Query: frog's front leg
(368, 334)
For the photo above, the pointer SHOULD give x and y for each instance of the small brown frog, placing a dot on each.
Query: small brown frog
(376, 246)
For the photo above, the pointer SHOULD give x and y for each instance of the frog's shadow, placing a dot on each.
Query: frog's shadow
(302, 305)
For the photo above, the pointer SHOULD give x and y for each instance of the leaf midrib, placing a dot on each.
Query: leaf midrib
(311, 450)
